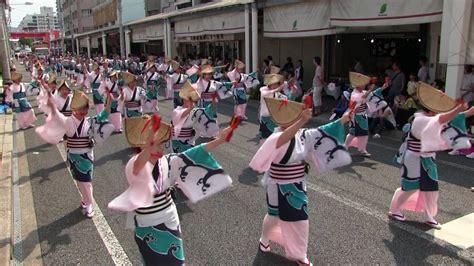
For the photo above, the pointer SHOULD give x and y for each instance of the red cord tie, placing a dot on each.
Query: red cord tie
(156, 123)
(284, 102)
(309, 101)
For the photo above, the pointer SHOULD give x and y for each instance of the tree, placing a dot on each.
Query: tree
(26, 41)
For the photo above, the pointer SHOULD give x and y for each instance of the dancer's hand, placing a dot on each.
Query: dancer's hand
(346, 118)
(307, 115)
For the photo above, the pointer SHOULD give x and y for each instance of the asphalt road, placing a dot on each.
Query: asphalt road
(348, 223)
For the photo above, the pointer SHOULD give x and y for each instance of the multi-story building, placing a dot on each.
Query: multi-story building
(46, 20)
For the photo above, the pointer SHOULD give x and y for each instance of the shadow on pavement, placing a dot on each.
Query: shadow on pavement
(249, 177)
(52, 234)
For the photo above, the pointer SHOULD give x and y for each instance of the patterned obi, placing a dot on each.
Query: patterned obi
(413, 144)
(177, 87)
(66, 113)
(132, 104)
(361, 108)
(160, 202)
(186, 133)
(79, 142)
(288, 172)
(239, 85)
(19, 95)
(208, 95)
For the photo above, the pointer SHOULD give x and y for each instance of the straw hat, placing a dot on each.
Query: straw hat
(64, 83)
(358, 79)
(274, 70)
(128, 78)
(239, 64)
(150, 65)
(95, 66)
(139, 129)
(174, 65)
(166, 59)
(113, 73)
(16, 76)
(284, 112)
(434, 99)
(79, 100)
(204, 61)
(151, 58)
(188, 92)
(39, 66)
(207, 69)
(272, 79)
(52, 79)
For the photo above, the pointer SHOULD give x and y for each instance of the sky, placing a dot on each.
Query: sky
(19, 11)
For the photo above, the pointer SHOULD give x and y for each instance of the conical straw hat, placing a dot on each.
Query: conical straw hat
(174, 65)
(16, 76)
(284, 112)
(138, 130)
(95, 66)
(64, 84)
(188, 92)
(272, 79)
(434, 99)
(274, 70)
(79, 100)
(207, 69)
(358, 79)
(239, 64)
(128, 78)
(52, 79)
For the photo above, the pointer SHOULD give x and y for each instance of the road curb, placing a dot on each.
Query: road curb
(6, 138)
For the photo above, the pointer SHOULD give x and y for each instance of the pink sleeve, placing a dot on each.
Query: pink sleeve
(140, 190)
(267, 153)
(43, 102)
(53, 129)
(430, 134)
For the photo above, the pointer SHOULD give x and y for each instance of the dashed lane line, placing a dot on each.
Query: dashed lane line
(112, 244)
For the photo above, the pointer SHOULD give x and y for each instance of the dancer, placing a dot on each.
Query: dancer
(151, 78)
(17, 93)
(112, 86)
(132, 96)
(440, 126)
(210, 89)
(241, 83)
(151, 175)
(82, 133)
(95, 78)
(175, 81)
(273, 87)
(190, 122)
(359, 128)
(284, 158)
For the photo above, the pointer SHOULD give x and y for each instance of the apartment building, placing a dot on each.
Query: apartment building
(46, 20)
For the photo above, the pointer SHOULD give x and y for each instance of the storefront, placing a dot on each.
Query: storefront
(217, 36)
(381, 31)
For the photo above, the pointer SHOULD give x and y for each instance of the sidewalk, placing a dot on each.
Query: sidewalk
(6, 140)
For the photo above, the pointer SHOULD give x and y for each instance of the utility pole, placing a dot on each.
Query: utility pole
(4, 41)
(121, 36)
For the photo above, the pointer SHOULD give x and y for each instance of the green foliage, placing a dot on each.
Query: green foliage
(26, 41)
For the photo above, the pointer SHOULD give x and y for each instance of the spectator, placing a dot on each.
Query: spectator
(423, 72)
(289, 68)
(358, 66)
(270, 60)
(467, 84)
(384, 119)
(397, 82)
(266, 67)
(341, 105)
(412, 84)
(405, 106)
(439, 84)
(318, 83)
(299, 72)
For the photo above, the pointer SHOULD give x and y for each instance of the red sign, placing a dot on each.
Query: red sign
(45, 37)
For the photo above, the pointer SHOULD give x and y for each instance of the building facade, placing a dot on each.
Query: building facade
(45, 21)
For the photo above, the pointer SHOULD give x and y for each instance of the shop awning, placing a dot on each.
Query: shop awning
(139, 35)
(350, 13)
(449, 25)
(155, 31)
(225, 23)
(310, 18)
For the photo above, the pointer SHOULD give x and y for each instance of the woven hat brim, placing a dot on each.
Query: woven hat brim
(358, 79)
(284, 114)
(434, 99)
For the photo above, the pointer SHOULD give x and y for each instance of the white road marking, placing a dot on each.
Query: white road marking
(459, 232)
(113, 246)
(465, 254)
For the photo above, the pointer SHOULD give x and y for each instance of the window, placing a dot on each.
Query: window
(86, 13)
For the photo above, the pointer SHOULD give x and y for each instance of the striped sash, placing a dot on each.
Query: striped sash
(160, 203)
(288, 171)
(361, 108)
(78, 142)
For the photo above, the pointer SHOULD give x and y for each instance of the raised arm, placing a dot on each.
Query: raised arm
(290, 131)
(211, 145)
(448, 116)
